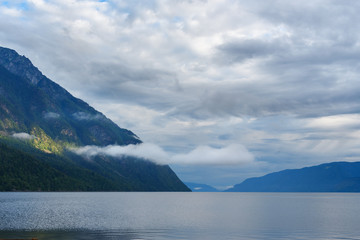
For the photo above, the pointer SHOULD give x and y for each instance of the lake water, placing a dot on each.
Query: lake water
(69, 216)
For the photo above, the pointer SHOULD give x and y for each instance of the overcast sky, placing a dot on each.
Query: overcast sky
(252, 86)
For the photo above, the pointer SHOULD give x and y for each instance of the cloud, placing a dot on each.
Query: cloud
(51, 115)
(140, 52)
(146, 151)
(13, 12)
(23, 136)
(342, 121)
(235, 154)
(82, 116)
(240, 50)
(177, 74)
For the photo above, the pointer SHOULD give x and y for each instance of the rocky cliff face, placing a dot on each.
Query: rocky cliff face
(20, 65)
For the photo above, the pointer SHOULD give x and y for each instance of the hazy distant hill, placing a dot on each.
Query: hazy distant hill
(329, 177)
(39, 121)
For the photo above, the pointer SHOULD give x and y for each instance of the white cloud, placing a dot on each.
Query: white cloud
(13, 12)
(146, 151)
(335, 121)
(23, 136)
(235, 154)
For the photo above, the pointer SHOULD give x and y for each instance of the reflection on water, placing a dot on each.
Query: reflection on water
(83, 235)
(179, 216)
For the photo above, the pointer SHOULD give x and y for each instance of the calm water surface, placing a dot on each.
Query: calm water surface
(180, 215)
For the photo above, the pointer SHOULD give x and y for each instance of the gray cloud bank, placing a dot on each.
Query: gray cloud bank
(253, 58)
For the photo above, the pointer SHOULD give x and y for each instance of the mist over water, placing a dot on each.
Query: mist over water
(179, 215)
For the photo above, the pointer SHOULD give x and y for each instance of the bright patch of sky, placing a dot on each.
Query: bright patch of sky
(15, 4)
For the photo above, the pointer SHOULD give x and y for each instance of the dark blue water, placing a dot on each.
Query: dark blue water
(180, 215)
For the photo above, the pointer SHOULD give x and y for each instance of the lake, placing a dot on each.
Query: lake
(180, 215)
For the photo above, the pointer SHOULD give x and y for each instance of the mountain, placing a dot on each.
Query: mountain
(30, 101)
(40, 122)
(329, 177)
(198, 187)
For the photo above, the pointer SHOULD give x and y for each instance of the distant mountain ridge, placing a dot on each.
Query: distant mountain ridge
(328, 177)
(40, 121)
